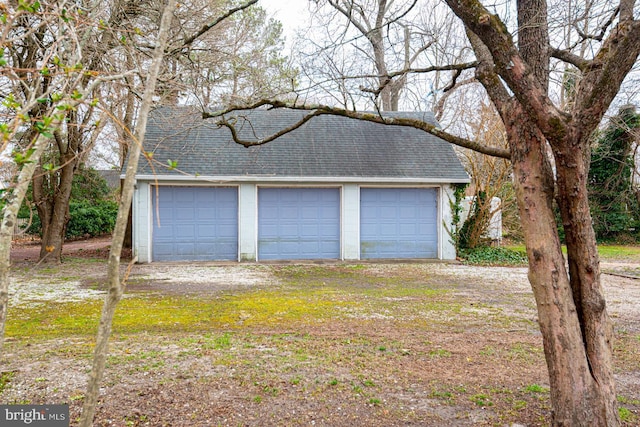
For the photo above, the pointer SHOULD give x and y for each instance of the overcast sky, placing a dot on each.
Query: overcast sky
(292, 14)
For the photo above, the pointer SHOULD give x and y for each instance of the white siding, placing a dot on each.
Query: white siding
(447, 248)
(248, 221)
(142, 222)
(351, 222)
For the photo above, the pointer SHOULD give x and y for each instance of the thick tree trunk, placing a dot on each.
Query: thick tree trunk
(578, 398)
(571, 308)
(53, 210)
(584, 269)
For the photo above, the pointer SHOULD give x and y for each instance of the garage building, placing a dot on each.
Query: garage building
(334, 188)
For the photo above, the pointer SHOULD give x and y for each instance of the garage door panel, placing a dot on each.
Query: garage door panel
(185, 196)
(205, 213)
(310, 213)
(183, 213)
(196, 223)
(163, 249)
(298, 223)
(409, 212)
(330, 213)
(309, 231)
(398, 223)
(187, 249)
(288, 212)
(229, 214)
(207, 231)
(407, 230)
(184, 231)
(226, 234)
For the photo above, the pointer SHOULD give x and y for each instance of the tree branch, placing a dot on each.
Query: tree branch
(189, 40)
(605, 26)
(571, 58)
(223, 121)
(486, 74)
(510, 65)
(602, 80)
(387, 78)
(317, 110)
(626, 9)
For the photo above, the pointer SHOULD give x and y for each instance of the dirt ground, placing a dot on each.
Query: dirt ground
(418, 344)
(27, 249)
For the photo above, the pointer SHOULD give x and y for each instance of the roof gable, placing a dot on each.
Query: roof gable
(326, 146)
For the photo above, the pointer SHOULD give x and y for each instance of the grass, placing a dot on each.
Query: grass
(481, 400)
(535, 388)
(606, 251)
(330, 335)
(5, 379)
(618, 252)
(156, 314)
(626, 415)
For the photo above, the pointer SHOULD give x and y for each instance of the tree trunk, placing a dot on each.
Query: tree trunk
(584, 270)
(53, 209)
(577, 397)
(571, 308)
(116, 288)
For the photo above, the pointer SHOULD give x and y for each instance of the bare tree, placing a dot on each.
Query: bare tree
(376, 51)
(50, 39)
(39, 98)
(490, 176)
(162, 47)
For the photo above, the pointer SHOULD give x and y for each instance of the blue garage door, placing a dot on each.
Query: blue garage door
(398, 223)
(298, 223)
(196, 224)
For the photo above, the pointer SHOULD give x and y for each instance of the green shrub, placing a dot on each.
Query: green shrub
(91, 218)
(88, 219)
(489, 255)
(612, 195)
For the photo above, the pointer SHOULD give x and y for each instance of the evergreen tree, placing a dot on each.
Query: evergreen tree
(614, 205)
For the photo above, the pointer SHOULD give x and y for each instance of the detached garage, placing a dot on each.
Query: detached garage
(335, 188)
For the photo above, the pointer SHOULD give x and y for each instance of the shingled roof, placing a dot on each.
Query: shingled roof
(326, 146)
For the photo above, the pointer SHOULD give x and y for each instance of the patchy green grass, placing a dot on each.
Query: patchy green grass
(619, 252)
(372, 341)
(155, 314)
(308, 296)
(626, 416)
(5, 379)
(606, 252)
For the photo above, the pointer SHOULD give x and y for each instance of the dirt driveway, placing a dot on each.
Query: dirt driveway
(341, 344)
(27, 249)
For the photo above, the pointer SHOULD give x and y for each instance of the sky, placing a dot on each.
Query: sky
(292, 14)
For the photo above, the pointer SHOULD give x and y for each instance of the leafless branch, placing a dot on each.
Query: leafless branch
(388, 78)
(603, 30)
(317, 110)
(247, 143)
(566, 56)
(189, 40)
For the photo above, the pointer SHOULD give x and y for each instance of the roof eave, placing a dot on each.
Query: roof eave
(298, 179)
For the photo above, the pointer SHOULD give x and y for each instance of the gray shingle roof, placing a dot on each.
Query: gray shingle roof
(326, 146)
